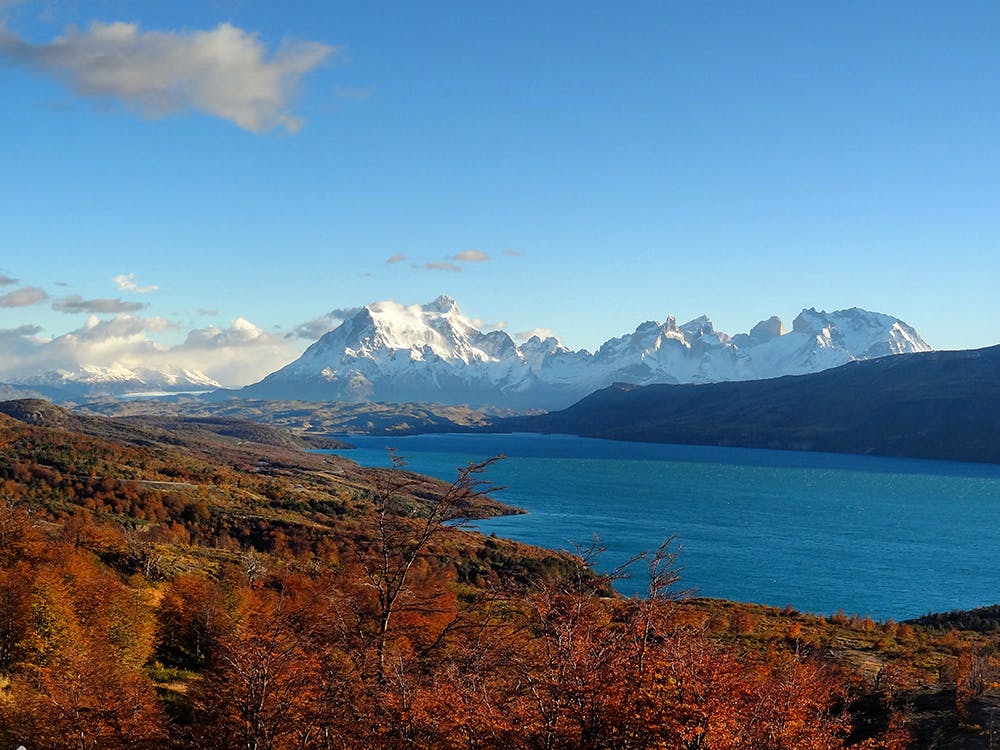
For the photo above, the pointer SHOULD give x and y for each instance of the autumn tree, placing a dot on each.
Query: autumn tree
(277, 680)
(76, 680)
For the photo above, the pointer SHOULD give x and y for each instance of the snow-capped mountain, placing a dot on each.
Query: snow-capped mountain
(118, 380)
(432, 353)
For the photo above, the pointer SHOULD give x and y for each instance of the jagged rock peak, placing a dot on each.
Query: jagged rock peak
(768, 329)
(698, 327)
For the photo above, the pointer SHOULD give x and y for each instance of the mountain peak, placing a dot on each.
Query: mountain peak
(443, 304)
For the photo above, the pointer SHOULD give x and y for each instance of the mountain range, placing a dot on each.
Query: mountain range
(433, 353)
(89, 381)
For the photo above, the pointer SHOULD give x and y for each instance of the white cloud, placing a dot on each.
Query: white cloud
(471, 256)
(77, 304)
(241, 332)
(239, 354)
(224, 72)
(396, 258)
(23, 297)
(127, 283)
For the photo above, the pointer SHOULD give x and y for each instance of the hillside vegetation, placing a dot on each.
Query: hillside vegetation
(185, 588)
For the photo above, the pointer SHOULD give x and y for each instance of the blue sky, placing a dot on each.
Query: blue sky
(613, 163)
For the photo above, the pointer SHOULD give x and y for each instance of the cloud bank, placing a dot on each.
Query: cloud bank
(224, 72)
(234, 355)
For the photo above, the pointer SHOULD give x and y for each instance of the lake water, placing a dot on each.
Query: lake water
(893, 538)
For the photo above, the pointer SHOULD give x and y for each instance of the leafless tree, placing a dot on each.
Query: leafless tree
(400, 538)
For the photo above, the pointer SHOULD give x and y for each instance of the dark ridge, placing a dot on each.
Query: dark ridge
(935, 405)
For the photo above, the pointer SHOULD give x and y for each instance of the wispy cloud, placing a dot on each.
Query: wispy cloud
(396, 258)
(542, 333)
(127, 283)
(437, 265)
(313, 329)
(23, 297)
(7, 280)
(484, 325)
(470, 256)
(512, 253)
(77, 304)
(224, 72)
(208, 312)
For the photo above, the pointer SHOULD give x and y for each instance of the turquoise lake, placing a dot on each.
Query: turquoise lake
(893, 538)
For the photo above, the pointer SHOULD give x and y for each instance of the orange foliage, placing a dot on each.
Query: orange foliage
(354, 634)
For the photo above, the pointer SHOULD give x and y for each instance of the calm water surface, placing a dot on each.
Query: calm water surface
(820, 532)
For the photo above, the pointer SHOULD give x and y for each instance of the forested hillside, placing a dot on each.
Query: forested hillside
(212, 592)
